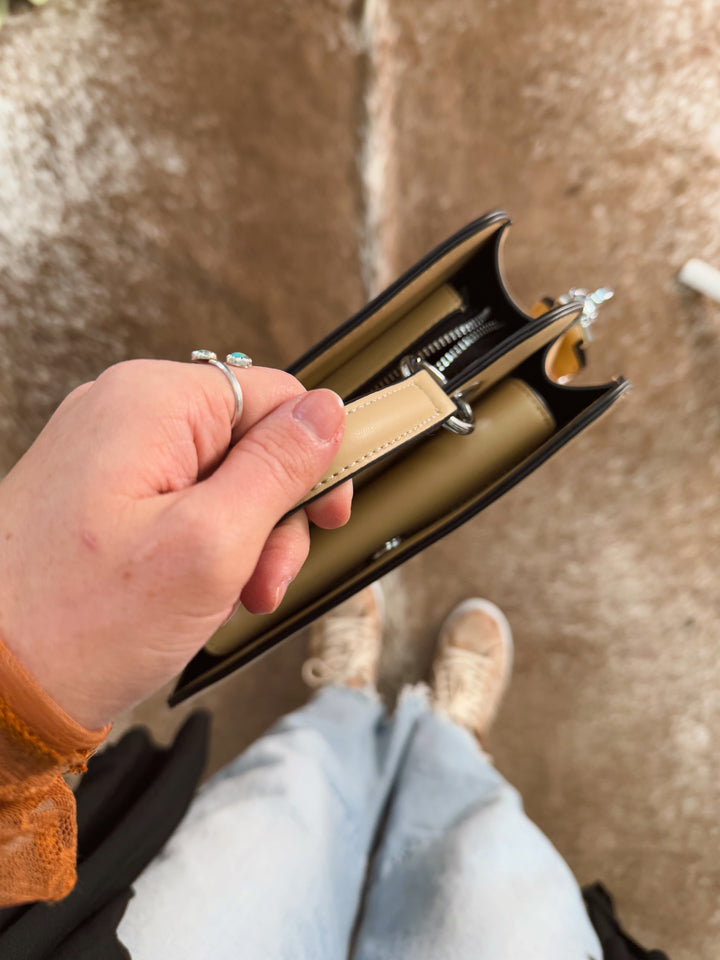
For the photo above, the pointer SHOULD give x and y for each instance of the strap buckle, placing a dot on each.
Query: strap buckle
(462, 422)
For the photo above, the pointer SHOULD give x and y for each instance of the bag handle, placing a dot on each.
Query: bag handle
(382, 422)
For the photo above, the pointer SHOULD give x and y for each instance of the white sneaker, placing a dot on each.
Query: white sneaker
(472, 665)
(345, 644)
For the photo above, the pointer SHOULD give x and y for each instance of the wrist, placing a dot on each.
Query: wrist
(49, 680)
(51, 666)
(39, 736)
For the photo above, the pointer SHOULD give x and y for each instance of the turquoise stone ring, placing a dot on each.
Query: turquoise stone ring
(238, 359)
(210, 357)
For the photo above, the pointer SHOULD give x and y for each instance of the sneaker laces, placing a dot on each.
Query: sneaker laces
(462, 681)
(349, 653)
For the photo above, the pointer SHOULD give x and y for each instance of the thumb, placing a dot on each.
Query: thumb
(275, 464)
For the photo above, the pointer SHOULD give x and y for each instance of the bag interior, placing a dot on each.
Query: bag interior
(463, 286)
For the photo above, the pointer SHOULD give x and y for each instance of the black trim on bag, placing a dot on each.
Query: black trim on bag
(205, 669)
(475, 226)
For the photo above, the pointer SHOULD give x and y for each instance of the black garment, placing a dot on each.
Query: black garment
(96, 938)
(129, 802)
(616, 944)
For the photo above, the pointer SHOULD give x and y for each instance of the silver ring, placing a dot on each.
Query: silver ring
(207, 356)
(239, 359)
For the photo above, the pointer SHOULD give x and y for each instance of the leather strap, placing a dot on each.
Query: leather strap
(382, 422)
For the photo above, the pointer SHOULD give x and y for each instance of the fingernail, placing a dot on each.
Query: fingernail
(321, 412)
(282, 590)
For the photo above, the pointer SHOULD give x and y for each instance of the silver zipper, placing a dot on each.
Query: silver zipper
(459, 339)
(454, 342)
(590, 303)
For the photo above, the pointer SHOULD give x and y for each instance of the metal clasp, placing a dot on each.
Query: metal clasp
(590, 303)
(462, 422)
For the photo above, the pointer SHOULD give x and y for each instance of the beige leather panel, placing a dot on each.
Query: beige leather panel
(476, 386)
(436, 477)
(320, 369)
(395, 341)
(383, 421)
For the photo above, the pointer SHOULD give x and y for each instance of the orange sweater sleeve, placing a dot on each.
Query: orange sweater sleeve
(38, 829)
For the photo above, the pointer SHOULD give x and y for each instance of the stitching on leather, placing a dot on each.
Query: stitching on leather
(396, 388)
(371, 453)
(389, 443)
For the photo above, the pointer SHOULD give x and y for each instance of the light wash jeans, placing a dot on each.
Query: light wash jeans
(342, 813)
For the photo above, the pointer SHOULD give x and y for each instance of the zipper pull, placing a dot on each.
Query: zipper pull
(591, 302)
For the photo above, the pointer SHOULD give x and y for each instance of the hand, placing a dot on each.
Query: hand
(128, 532)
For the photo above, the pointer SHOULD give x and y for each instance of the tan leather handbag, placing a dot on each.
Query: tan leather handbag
(453, 395)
